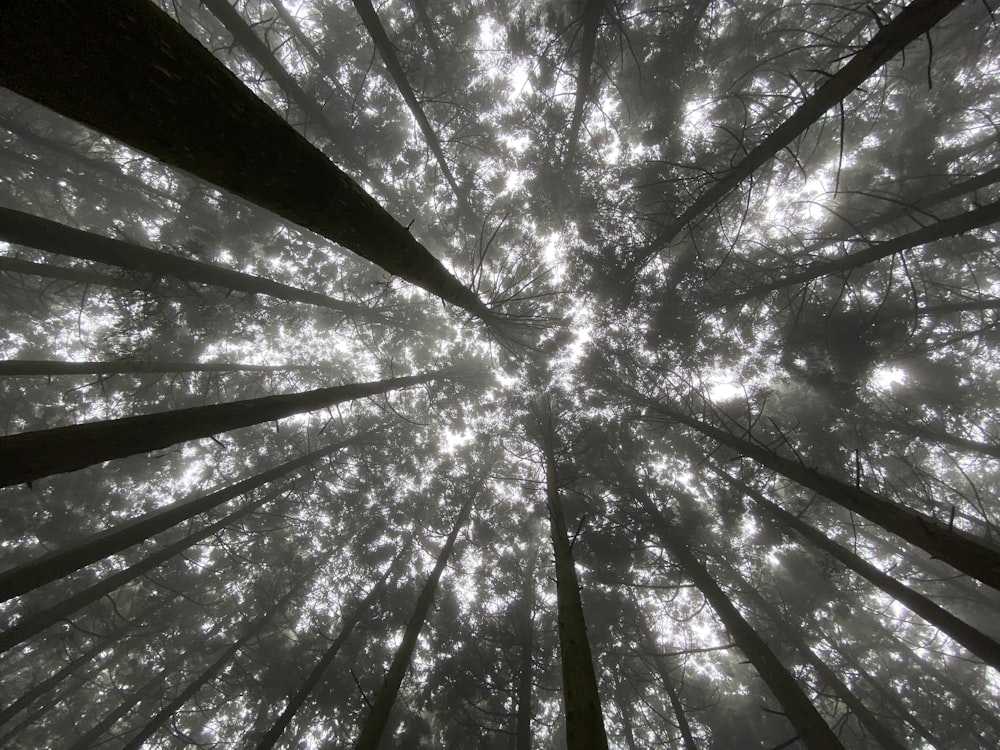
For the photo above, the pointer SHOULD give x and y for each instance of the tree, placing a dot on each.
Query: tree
(719, 470)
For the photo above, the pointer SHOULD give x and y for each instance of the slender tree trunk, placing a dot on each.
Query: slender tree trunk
(50, 368)
(959, 550)
(584, 717)
(392, 64)
(975, 219)
(55, 565)
(789, 633)
(525, 672)
(969, 305)
(51, 682)
(683, 724)
(29, 455)
(34, 623)
(936, 436)
(273, 735)
(63, 273)
(592, 13)
(812, 729)
(128, 70)
(210, 673)
(977, 642)
(52, 237)
(914, 21)
(378, 717)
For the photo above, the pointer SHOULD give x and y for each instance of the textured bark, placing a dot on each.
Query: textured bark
(392, 64)
(960, 550)
(29, 455)
(915, 20)
(592, 13)
(32, 231)
(378, 717)
(974, 640)
(581, 697)
(273, 735)
(812, 729)
(976, 219)
(51, 368)
(128, 70)
(53, 566)
(36, 622)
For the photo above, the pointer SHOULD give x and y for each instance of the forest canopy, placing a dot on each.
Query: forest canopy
(499, 374)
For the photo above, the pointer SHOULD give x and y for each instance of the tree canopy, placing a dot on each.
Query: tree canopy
(497, 374)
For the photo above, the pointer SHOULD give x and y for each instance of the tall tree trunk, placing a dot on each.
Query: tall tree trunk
(52, 237)
(959, 550)
(392, 64)
(683, 724)
(128, 70)
(974, 640)
(273, 735)
(29, 455)
(584, 717)
(937, 436)
(50, 368)
(812, 729)
(525, 671)
(63, 273)
(37, 691)
(970, 220)
(792, 635)
(34, 623)
(210, 673)
(915, 20)
(378, 717)
(591, 22)
(53, 566)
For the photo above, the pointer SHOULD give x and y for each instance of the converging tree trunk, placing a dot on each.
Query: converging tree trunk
(915, 20)
(128, 70)
(687, 737)
(53, 566)
(29, 455)
(49, 368)
(591, 23)
(50, 236)
(378, 718)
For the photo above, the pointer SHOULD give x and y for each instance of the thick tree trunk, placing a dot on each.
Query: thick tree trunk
(592, 13)
(378, 717)
(34, 623)
(812, 729)
(29, 455)
(959, 550)
(975, 219)
(128, 70)
(584, 717)
(50, 368)
(392, 64)
(52, 237)
(273, 735)
(53, 566)
(974, 640)
(915, 20)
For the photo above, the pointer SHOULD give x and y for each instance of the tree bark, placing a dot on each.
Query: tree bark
(35, 623)
(582, 700)
(55, 565)
(128, 70)
(32, 231)
(392, 64)
(29, 455)
(974, 640)
(592, 13)
(812, 729)
(273, 735)
(959, 550)
(915, 20)
(378, 717)
(50, 368)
